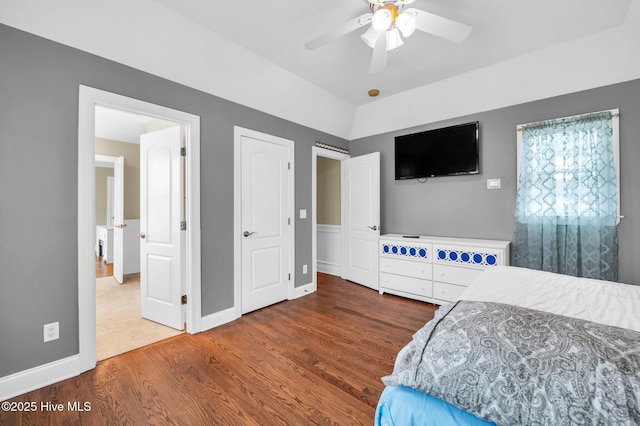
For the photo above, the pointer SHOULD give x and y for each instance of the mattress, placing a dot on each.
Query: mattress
(604, 302)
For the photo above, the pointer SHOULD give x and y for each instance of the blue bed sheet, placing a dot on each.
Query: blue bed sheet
(403, 406)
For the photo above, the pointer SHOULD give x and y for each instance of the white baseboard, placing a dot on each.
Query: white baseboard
(38, 377)
(304, 290)
(329, 268)
(219, 318)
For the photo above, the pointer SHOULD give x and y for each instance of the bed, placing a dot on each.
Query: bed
(522, 347)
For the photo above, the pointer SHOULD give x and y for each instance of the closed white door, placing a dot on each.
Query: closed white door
(161, 238)
(362, 218)
(266, 207)
(118, 219)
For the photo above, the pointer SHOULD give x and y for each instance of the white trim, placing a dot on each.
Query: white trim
(315, 153)
(218, 318)
(330, 254)
(615, 121)
(238, 132)
(304, 290)
(88, 99)
(37, 377)
(105, 161)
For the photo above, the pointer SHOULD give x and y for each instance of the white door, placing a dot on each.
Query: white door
(110, 201)
(362, 218)
(266, 215)
(161, 238)
(118, 219)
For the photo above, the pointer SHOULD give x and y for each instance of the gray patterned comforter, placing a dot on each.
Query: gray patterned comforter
(518, 366)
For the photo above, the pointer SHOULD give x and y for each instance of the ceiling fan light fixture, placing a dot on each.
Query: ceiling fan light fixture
(381, 20)
(406, 23)
(370, 37)
(394, 40)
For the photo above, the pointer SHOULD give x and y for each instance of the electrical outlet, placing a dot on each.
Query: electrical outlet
(51, 331)
(304, 269)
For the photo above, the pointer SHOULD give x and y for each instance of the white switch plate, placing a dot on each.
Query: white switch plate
(494, 183)
(304, 269)
(303, 213)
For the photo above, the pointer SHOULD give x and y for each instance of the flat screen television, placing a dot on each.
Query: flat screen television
(441, 152)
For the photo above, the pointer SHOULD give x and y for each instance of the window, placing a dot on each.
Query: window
(567, 205)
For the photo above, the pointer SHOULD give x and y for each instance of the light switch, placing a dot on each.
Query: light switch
(493, 183)
(303, 213)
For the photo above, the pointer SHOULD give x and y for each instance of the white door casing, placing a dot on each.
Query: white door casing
(161, 237)
(361, 221)
(118, 219)
(87, 100)
(265, 228)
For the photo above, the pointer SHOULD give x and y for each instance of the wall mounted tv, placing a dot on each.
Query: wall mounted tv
(441, 152)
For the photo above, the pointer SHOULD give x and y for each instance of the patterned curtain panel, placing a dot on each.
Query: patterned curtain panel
(566, 206)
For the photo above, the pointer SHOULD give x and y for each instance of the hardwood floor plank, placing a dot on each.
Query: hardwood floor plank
(313, 360)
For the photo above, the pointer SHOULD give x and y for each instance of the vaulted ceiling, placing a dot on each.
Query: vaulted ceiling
(253, 52)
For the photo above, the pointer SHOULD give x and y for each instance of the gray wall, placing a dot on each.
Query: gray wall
(39, 82)
(463, 207)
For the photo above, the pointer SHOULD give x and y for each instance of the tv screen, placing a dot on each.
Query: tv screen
(441, 152)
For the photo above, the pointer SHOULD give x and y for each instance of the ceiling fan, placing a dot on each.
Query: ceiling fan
(390, 22)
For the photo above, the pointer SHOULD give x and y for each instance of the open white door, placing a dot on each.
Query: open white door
(361, 223)
(118, 219)
(161, 238)
(267, 200)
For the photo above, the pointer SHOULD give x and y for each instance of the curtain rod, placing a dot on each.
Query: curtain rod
(614, 113)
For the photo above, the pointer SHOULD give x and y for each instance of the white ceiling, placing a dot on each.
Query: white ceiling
(501, 29)
(253, 53)
(120, 126)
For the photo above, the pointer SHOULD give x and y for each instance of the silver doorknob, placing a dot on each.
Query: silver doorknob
(141, 235)
(374, 227)
(247, 233)
(122, 225)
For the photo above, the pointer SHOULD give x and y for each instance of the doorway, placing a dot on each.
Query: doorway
(90, 98)
(121, 324)
(337, 156)
(360, 216)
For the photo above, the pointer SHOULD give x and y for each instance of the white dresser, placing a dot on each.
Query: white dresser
(435, 269)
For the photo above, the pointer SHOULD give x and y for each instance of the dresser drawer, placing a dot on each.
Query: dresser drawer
(447, 292)
(405, 284)
(406, 267)
(454, 275)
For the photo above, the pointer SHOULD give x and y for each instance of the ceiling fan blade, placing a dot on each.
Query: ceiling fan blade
(440, 26)
(379, 57)
(344, 29)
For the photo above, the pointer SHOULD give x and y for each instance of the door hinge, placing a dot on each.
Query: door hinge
(289, 276)
(289, 165)
(183, 299)
(183, 225)
(183, 152)
(288, 221)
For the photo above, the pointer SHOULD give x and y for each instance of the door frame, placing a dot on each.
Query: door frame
(327, 153)
(238, 133)
(89, 98)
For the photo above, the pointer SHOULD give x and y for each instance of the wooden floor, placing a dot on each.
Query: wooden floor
(314, 360)
(103, 269)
